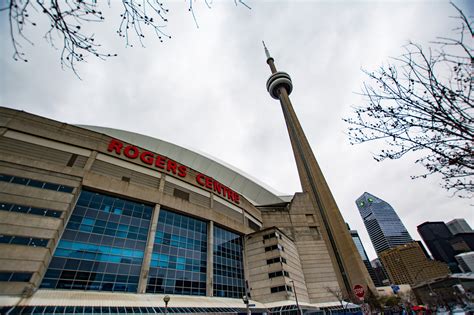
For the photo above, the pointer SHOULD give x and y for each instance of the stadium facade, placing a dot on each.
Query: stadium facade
(100, 220)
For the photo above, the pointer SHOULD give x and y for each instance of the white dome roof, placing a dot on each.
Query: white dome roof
(254, 190)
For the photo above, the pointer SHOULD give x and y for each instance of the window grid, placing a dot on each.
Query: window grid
(228, 266)
(276, 260)
(278, 274)
(21, 240)
(273, 247)
(281, 288)
(123, 310)
(102, 247)
(15, 276)
(178, 263)
(35, 183)
(29, 210)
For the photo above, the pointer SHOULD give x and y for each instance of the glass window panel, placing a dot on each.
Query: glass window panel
(170, 256)
(5, 276)
(228, 249)
(36, 183)
(20, 180)
(21, 276)
(51, 186)
(102, 260)
(5, 178)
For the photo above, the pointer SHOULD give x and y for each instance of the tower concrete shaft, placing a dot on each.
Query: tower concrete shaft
(344, 255)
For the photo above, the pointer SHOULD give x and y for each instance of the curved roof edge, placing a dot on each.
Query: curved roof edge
(255, 191)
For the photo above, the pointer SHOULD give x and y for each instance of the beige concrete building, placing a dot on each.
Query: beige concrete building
(407, 264)
(100, 220)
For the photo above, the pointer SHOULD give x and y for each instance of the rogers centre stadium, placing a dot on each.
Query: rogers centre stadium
(97, 220)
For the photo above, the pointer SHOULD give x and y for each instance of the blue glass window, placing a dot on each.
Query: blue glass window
(30, 210)
(21, 240)
(15, 276)
(228, 264)
(178, 261)
(35, 183)
(100, 249)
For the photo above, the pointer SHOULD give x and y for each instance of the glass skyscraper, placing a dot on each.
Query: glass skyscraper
(365, 259)
(385, 228)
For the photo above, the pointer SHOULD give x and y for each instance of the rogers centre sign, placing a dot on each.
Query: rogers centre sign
(172, 167)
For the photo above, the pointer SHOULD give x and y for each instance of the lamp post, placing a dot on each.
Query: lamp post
(166, 299)
(296, 298)
(245, 299)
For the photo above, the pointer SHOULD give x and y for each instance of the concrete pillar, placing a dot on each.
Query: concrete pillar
(210, 259)
(245, 266)
(90, 161)
(142, 282)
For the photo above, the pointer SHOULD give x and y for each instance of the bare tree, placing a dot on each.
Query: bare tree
(339, 295)
(66, 19)
(423, 102)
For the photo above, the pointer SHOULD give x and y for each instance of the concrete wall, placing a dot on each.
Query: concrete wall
(258, 269)
(38, 148)
(299, 221)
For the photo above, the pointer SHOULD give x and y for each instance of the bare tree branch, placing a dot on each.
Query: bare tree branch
(66, 19)
(423, 102)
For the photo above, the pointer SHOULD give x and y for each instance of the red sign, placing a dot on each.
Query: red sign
(132, 152)
(220, 189)
(170, 166)
(359, 291)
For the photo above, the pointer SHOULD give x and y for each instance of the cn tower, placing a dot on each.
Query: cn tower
(345, 258)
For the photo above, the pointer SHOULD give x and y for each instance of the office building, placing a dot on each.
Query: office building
(380, 272)
(407, 264)
(436, 236)
(462, 242)
(360, 247)
(385, 228)
(459, 226)
(443, 245)
(466, 261)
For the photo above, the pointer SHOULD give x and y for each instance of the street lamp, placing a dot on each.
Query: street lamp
(296, 298)
(166, 299)
(245, 299)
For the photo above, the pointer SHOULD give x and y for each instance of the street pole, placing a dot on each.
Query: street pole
(246, 301)
(296, 298)
(166, 299)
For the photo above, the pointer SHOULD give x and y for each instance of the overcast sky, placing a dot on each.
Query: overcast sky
(205, 89)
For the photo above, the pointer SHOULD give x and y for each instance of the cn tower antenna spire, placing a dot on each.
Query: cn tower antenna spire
(270, 59)
(349, 267)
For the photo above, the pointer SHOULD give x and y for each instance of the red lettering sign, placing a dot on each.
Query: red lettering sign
(217, 187)
(170, 166)
(147, 157)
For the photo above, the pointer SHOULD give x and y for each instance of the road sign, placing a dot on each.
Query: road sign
(395, 288)
(359, 291)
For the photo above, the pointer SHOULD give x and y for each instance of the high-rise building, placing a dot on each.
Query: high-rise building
(466, 261)
(385, 228)
(363, 254)
(437, 236)
(380, 272)
(462, 242)
(458, 226)
(407, 264)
